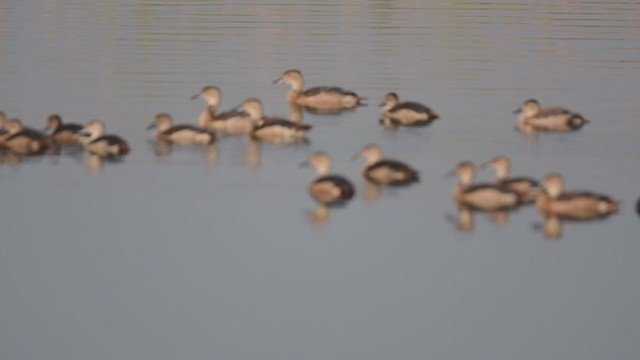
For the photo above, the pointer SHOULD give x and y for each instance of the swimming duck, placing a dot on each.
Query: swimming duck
(22, 140)
(179, 134)
(328, 188)
(527, 188)
(232, 121)
(62, 133)
(534, 118)
(272, 129)
(576, 205)
(94, 140)
(408, 113)
(385, 171)
(320, 98)
(486, 197)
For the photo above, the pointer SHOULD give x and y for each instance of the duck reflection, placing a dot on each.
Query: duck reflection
(210, 153)
(253, 154)
(10, 158)
(95, 163)
(465, 221)
(319, 217)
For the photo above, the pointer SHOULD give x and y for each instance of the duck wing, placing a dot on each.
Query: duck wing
(178, 128)
(327, 89)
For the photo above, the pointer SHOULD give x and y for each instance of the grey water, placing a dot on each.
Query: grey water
(220, 253)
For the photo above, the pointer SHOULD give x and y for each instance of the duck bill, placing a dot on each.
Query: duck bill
(485, 165)
(151, 126)
(517, 111)
(279, 80)
(196, 96)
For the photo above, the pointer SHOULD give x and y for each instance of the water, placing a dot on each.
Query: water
(211, 252)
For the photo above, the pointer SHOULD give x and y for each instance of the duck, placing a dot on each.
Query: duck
(382, 171)
(62, 133)
(327, 98)
(231, 122)
(179, 134)
(574, 205)
(526, 187)
(272, 129)
(96, 142)
(407, 113)
(533, 118)
(327, 188)
(483, 196)
(22, 140)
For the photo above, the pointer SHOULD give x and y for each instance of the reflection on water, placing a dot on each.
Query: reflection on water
(465, 221)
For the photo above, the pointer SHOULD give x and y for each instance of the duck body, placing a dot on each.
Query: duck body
(231, 122)
(325, 97)
(390, 172)
(580, 205)
(187, 134)
(108, 145)
(380, 171)
(486, 197)
(274, 130)
(279, 130)
(331, 189)
(408, 113)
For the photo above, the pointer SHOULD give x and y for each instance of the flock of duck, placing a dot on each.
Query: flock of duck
(328, 189)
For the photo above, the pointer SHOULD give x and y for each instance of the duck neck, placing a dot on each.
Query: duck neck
(323, 170)
(502, 172)
(293, 95)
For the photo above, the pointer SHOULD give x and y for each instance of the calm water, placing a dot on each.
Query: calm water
(211, 253)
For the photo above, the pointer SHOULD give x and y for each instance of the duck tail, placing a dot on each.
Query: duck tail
(303, 127)
(206, 136)
(608, 206)
(123, 148)
(576, 121)
(413, 176)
